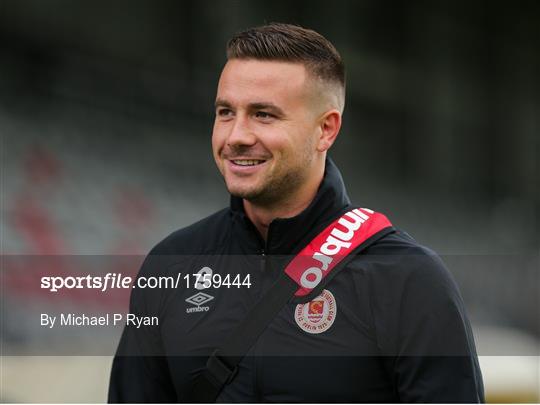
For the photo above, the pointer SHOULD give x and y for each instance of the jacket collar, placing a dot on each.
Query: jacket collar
(286, 234)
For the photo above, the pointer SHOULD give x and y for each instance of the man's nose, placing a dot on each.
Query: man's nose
(241, 132)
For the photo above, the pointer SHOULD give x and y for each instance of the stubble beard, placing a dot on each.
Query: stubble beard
(279, 185)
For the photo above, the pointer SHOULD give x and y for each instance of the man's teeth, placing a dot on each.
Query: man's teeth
(247, 162)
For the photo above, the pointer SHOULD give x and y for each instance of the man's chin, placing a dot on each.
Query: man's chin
(256, 197)
(243, 192)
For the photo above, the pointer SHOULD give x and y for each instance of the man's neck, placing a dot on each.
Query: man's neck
(261, 216)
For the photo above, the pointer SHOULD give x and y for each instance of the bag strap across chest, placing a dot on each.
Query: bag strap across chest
(316, 263)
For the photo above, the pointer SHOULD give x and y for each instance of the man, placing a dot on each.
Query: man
(394, 326)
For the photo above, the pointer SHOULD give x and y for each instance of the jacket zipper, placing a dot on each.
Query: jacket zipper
(264, 252)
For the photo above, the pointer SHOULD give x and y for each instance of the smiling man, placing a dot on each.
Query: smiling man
(341, 306)
(275, 120)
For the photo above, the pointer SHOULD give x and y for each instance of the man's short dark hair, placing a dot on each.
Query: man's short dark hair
(290, 43)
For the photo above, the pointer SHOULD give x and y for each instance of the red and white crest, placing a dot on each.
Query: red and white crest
(317, 315)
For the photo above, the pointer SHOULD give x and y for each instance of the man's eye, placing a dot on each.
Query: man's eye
(263, 115)
(224, 112)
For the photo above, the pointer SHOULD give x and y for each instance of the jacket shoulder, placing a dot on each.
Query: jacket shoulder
(398, 256)
(399, 242)
(201, 237)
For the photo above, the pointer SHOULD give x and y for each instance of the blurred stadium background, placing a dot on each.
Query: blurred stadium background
(106, 111)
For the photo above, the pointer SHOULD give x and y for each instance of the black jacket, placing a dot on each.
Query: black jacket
(400, 332)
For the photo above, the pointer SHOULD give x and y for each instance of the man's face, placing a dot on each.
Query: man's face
(266, 129)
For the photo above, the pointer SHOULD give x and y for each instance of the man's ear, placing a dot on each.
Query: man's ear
(330, 123)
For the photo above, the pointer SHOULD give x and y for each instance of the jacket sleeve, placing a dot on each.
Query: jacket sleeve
(424, 333)
(140, 371)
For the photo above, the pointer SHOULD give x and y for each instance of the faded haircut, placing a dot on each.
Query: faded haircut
(291, 43)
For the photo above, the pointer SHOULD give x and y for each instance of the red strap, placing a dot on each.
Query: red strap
(317, 260)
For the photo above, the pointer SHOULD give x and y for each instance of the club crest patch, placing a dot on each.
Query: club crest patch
(317, 315)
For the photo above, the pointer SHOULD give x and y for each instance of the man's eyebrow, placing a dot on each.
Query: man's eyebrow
(253, 106)
(266, 106)
(222, 103)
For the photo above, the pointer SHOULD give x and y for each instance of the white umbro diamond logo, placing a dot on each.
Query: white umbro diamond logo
(199, 299)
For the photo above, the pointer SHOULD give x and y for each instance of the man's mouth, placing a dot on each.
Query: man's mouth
(247, 162)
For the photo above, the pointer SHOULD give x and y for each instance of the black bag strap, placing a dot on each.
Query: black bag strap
(222, 365)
